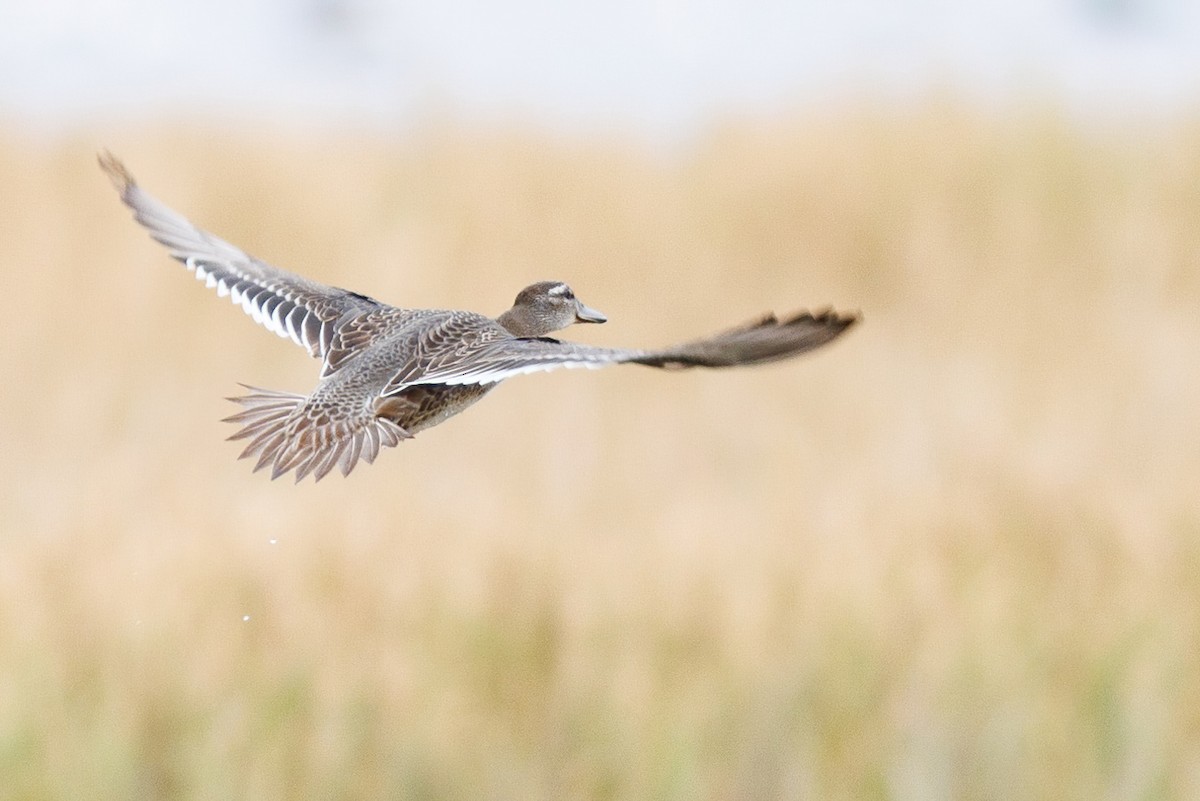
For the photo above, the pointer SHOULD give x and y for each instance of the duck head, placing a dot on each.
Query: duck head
(545, 307)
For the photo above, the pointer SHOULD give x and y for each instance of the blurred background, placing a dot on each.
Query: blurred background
(954, 555)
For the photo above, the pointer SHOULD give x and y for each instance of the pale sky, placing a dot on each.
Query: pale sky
(659, 67)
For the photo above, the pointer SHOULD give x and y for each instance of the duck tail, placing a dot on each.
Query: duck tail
(285, 433)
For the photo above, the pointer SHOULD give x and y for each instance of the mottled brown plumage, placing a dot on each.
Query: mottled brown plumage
(389, 372)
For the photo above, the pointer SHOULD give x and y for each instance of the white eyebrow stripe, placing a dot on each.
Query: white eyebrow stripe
(558, 289)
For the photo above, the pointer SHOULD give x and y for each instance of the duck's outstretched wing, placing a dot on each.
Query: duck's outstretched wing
(765, 340)
(291, 306)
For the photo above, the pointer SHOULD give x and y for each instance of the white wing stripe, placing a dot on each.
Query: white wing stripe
(294, 324)
(271, 305)
(268, 307)
(279, 316)
(486, 375)
(312, 333)
(248, 304)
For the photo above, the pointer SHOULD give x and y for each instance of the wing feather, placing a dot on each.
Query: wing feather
(304, 311)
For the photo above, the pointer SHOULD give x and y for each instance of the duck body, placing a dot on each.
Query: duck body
(362, 379)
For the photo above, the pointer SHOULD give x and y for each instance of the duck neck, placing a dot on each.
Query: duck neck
(520, 323)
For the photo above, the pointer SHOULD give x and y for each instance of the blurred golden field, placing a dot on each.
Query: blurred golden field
(956, 555)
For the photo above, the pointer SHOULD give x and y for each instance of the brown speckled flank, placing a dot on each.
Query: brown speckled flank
(388, 372)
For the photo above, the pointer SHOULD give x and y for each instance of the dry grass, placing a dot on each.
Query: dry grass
(957, 555)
